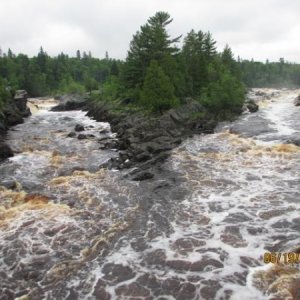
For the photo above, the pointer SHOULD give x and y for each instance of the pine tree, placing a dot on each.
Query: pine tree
(209, 46)
(42, 60)
(225, 93)
(10, 53)
(114, 69)
(198, 52)
(78, 55)
(152, 42)
(158, 92)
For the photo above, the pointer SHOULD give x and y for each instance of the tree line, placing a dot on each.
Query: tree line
(42, 75)
(269, 74)
(156, 74)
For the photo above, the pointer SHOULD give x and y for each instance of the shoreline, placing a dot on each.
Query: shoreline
(13, 113)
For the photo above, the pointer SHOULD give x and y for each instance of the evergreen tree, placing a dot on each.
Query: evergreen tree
(152, 42)
(198, 51)
(224, 94)
(114, 69)
(10, 53)
(78, 55)
(158, 92)
(209, 46)
(42, 60)
(231, 64)
(4, 94)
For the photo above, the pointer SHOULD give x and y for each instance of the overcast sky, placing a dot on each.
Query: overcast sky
(258, 29)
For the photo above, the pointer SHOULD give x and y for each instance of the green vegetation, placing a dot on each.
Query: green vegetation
(4, 93)
(156, 75)
(44, 75)
(269, 74)
(157, 92)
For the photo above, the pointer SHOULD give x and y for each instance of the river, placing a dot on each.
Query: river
(198, 230)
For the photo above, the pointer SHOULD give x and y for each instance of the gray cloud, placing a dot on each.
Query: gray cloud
(254, 29)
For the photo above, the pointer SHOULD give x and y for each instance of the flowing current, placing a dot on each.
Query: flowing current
(198, 230)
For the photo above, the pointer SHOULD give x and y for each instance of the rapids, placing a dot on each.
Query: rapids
(198, 230)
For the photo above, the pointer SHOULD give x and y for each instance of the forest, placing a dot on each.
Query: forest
(156, 74)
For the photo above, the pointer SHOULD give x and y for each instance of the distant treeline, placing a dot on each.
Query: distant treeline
(43, 75)
(269, 74)
(156, 74)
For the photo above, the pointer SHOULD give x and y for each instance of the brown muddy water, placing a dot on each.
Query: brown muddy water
(198, 230)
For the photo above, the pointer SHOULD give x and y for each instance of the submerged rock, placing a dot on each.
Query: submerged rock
(296, 142)
(72, 134)
(144, 175)
(297, 101)
(82, 136)
(258, 126)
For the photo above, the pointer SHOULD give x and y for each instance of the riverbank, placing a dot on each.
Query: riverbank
(13, 113)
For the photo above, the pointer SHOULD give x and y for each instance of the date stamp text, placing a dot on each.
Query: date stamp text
(281, 257)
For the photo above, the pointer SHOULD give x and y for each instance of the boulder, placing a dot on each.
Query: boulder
(79, 127)
(82, 136)
(297, 101)
(5, 151)
(251, 106)
(72, 134)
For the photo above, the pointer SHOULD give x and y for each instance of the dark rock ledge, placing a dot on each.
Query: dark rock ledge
(145, 141)
(12, 114)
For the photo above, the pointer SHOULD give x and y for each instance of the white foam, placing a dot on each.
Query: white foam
(280, 111)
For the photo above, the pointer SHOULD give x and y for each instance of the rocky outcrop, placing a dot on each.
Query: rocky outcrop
(12, 114)
(259, 125)
(250, 106)
(5, 151)
(297, 101)
(15, 110)
(146, 140)
(20, 100)
(70, 102)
